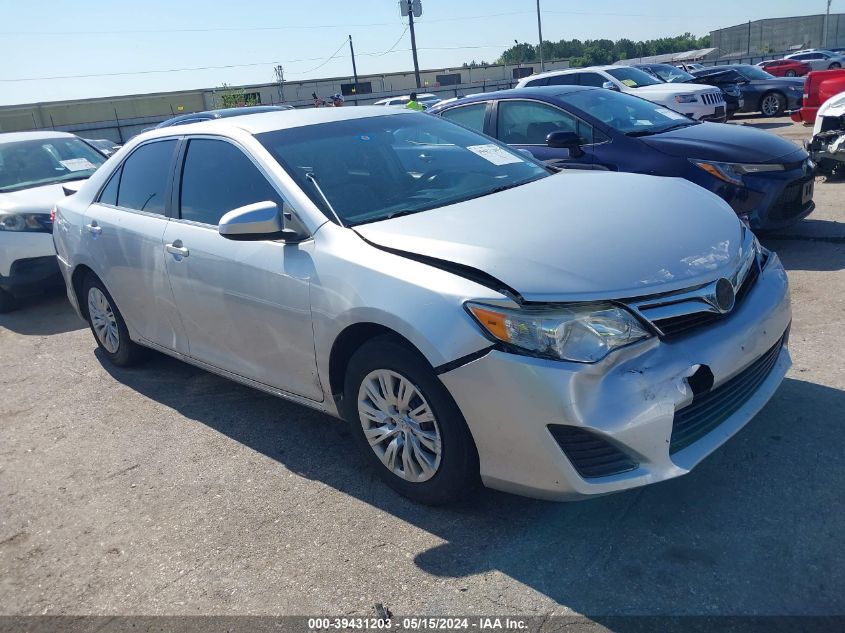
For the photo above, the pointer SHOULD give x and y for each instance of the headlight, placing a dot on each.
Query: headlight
(583, 333)
(796, 88)
(690, 98)
(31, 222)
(733, 172)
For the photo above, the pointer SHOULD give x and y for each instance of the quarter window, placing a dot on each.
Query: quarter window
(471, 116)
(218, 177)
(143, 183)
(109, 193)
(529, 123)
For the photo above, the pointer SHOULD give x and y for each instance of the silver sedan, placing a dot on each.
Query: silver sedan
(474, 317)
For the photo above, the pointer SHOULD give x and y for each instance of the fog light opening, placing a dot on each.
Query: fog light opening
(701, 381)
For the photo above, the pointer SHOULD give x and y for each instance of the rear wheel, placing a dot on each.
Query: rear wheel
(108, 325)
(772, 104)
(790, 73)
(408, 425)
(7, 301)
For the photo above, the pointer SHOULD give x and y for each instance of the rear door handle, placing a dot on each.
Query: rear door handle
(176, 248)
(93, 229)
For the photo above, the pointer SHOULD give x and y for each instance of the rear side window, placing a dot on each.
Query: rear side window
(218, 177)
(564, 80)
(471, 116)
(543, 81)
(144, 178)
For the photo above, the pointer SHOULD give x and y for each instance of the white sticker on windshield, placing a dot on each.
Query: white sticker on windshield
(494, 154)
(670, 113)
(77, 164)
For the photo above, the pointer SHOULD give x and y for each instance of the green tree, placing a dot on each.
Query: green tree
(228, 97)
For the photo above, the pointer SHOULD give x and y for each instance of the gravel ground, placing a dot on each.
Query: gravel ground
(167, 490)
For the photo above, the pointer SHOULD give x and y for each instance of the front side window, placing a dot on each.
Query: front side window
(471, 116)
(218, 177)
(592, 79)
(570, 79)
(144, 178)
(25, 164)
(379, 167)
(670, 74)
(752, 72)
(530, 122)
(632, 77)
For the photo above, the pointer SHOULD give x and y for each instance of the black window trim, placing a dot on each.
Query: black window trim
(495, 122)
(168, 209)
(179, 167)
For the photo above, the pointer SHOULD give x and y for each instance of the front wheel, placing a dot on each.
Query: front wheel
(408, 425)
(773, 104)
(834, 65)
(108, 325)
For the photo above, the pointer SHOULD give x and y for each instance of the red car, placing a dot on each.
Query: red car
(819, 86)
(785, 67)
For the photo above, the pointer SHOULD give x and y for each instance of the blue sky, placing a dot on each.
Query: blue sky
(57, 38)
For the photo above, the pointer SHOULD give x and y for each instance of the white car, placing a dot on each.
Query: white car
(33, 168)
(819, 59)
(704, 103)
(426, 99)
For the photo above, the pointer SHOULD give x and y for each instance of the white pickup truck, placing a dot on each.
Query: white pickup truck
(705, 103)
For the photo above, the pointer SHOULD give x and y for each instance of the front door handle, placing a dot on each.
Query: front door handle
(93, 228)
(176, 248)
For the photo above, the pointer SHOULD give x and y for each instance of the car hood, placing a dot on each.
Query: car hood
(576, 236)
(725, 142)
(669, 90)
(35, 200)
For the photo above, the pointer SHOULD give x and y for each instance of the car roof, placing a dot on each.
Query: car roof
(541, 92)
(277, 120)
(14, 137)
(224, 113)
(567, 71)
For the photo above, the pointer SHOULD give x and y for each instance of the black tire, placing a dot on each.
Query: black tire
(834, 65)
(127, 353)
(765, 101)
(7, 302)
(790, 73)
(457, 474)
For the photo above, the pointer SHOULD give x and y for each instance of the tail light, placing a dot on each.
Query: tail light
(53, 215)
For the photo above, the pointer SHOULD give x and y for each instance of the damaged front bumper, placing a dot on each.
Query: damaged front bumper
(623, 408)
(827, 150)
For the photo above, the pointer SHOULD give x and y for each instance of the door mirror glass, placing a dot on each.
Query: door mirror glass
(254, 222)
(568, 140)
(609, 85)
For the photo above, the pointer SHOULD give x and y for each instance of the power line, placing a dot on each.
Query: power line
(326, 61)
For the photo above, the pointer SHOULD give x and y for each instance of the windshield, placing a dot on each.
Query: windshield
(632, 77)
(25, 164)
(670, 73)
(752, 72)
(627, 114)
(379, 167)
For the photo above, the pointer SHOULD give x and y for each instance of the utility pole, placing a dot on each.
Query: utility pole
(414, 41)
(826, 22)
(540, 32)
(749, 38)
(354, 70)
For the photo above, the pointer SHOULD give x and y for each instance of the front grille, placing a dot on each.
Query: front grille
(789, 203)
(710, 409)
(591, 455)
(712, 98)
(675, 325)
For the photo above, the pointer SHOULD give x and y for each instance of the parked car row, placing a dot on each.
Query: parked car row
(476, 313)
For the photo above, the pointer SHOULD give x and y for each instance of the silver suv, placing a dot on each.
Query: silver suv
(474, 317)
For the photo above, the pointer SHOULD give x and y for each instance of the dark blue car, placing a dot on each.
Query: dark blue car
(767, 180)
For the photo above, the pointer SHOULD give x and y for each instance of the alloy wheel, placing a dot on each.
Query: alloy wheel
(770, 105)
(103, 320)
(790, 73)
(399, 425)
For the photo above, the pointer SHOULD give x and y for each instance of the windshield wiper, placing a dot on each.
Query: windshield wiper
(636, 133)
(310, 176)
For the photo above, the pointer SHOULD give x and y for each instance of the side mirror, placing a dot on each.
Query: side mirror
(569, 140)
(256, 222)
(609, 85)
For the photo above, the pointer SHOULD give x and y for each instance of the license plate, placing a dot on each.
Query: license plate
(807, 192)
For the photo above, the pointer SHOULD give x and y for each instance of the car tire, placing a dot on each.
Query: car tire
(7, 301)
(790, 73)
(108, 326)
(772, 104)
(834, 65)
(379, 372)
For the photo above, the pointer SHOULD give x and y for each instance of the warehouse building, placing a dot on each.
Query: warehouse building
(781, 34)
(120, 118)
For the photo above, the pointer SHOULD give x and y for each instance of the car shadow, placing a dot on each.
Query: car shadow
(813, 245)
(42, 315)
(756, 528)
